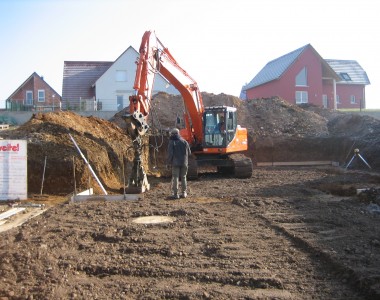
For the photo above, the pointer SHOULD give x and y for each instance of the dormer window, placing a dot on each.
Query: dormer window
(345, 76)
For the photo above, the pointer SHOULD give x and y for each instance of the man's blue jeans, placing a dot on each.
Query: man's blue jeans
(179, 172)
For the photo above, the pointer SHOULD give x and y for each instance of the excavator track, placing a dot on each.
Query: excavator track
(242, 166)
(236, 165)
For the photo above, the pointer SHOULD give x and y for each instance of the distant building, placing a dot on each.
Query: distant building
(34, 94)
(350, 90)
(303, 76)
(96, 85)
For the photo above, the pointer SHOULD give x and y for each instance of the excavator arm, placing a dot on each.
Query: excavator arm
(190, 93)
(139, 104)
(155, 58)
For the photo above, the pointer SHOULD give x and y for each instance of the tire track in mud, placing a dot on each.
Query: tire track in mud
(306, 236)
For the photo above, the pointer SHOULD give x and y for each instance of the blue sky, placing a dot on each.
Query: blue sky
(221, 44)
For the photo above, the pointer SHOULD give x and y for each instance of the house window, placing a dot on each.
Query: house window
(338, 99)
(29, 98)
(301, 97)
(345, 76)
(41, 95)
(301, 78)
(121, 75)
(353, 99)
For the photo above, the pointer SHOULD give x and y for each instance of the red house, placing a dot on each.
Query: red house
(303, 76)
(350, 90)
(34, 95)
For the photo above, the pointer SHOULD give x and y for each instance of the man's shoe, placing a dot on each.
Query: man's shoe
(184, 195)
(173, 197)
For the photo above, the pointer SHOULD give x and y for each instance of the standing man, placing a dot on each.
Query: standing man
(178, 159)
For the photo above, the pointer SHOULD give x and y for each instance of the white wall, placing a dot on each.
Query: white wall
(108, 87)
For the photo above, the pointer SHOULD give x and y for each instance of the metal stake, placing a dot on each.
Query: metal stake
(88, 165)
(43, 176)
(75, 183)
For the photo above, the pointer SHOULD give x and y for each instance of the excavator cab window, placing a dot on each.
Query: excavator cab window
(220, 126)
(231, 125)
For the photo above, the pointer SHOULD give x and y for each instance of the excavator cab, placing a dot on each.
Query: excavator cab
(219, 126)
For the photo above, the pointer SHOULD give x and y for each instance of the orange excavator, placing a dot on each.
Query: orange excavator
(213, 134)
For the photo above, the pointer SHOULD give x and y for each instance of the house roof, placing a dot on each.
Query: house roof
(34, 74)
(129, 48)
(356, 74)
(276, 68)
(79, 77)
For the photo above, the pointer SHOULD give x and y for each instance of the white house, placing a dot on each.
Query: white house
(105, 85)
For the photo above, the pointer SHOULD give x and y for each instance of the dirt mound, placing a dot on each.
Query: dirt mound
(354, 126)
(263, 117)
(104, 145)
(276, 117)
(166, 108)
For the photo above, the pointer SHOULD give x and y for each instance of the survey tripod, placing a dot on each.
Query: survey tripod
(357, 154)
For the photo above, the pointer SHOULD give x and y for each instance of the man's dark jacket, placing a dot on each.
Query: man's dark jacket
(178, 151)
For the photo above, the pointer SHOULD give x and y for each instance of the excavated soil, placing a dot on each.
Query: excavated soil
(284, 233)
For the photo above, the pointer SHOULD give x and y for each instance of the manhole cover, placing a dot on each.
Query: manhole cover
(153, 220)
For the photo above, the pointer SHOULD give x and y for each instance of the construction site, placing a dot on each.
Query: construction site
(305, 225)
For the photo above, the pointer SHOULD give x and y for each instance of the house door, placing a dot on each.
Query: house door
(120, 102)
(324, 101)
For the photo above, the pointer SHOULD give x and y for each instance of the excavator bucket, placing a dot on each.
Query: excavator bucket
(138, 181)
(136, 189)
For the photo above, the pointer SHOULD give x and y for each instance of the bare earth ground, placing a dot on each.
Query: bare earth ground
(281, 234)
(285, 233)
